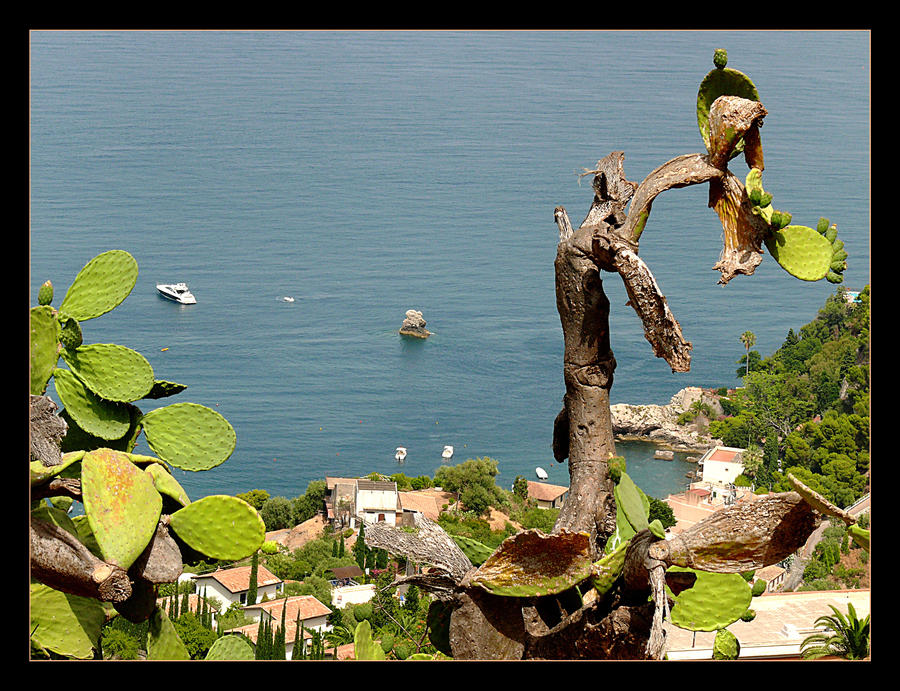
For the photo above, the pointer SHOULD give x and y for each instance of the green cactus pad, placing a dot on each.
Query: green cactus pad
(801, 251)
(163, 642)
(101, 285)
(715, 601)
(86, 535)
(474, 550)
(231, 647)
(40, 473)
(78, 439)
(65, 624)
(726, 646)
(860, 536)
(364, 646)
(45, 293)
(607, 570)
(189, 436)
(113, 372)
(722, 81)
(220, 526)
(56, 517)
(43, 351)
(656, 527)
(122, 505)
(166, 484)
(624, 531)
(94, 415)
(163, 389)
(531, 564)
(633, 502)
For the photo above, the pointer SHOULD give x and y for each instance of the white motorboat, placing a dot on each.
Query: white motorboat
(541, 473)
(288, 298)
(447, 453)
(178, 292)
(400, 454)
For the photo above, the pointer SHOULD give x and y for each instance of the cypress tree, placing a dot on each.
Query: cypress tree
(334, 549)
(341, 548)
(279, 653)
(254, 568)
(185, 603)
(297, 653)
(260, 639)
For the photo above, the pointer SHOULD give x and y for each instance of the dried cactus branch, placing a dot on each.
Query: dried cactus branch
(425, 543)
(60, 561)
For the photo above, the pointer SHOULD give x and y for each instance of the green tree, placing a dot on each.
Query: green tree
(310, 503)
(748, 339)
(660, 510)
(196, 638)
(474, 481)
(255, 497)
(254, 576)
(520, 487)
(843, 636)
(277, 513)
(119, 645)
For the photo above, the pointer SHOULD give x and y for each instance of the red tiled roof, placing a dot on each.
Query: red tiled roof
(723, 455)
(306, 606)
(237, 579)
(544, 491)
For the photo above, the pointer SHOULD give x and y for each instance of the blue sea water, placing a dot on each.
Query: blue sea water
(366, 173)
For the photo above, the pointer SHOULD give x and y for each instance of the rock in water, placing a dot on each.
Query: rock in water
(414, 325)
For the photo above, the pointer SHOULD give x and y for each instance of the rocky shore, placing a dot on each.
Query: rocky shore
(658, 424)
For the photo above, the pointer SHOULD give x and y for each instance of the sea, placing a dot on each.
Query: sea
(365, 173)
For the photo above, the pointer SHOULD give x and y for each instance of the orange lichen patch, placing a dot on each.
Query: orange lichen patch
(531, 563)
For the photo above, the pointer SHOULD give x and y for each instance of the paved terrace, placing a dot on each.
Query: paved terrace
(782, 621)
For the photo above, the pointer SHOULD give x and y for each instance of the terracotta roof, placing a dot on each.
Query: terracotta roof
(330, 482)
(346, 651)
(306, 606)
(237, 580)
(347, 571)
(767, 573)
(724, 455)
(427, 504)
(544, 491)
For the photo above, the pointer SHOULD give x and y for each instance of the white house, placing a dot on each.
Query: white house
(546, 495)
(721, 465)
(377, 502)
(231, 585)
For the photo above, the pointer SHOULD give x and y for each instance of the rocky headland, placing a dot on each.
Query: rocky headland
(658, 424)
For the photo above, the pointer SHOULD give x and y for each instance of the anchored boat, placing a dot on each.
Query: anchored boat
(178, 292)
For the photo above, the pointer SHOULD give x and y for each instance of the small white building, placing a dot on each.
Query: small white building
(721, 465)
(377, 502)
(231, 585)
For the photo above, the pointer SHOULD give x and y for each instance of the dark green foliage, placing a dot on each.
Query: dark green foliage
(661, 511)
(255, 497)
(254, 575)
(277, 513)
(474, 481)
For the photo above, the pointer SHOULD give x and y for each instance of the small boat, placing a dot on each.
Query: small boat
(178, 292)
(447, 453)
(288, 298)
(541, 473)
(400, 453)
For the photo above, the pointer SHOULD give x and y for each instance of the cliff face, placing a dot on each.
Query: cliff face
(658, 423)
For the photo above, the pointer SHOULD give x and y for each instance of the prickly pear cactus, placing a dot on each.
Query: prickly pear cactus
(726, 646)
(530, 564)
(715, 601)
(123, 493)
(364, 646)
(220, 526)
(473, 549)
(231, 647)
(722, 81)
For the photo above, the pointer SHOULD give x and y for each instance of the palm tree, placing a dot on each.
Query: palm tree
(748, 338)
(846, 637)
